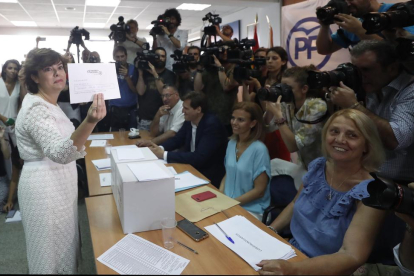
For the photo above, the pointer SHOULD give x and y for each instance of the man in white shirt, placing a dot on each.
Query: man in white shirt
(168, 120)
(172, 39)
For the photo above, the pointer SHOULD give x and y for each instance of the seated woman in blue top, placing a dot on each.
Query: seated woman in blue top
(328, 221)
(247, 160)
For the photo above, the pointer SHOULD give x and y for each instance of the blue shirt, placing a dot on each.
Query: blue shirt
(354, 39)
(240, 175)
(319, 225)
(128, 97)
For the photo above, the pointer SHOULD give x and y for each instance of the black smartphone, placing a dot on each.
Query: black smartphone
(11, 214)
(192, 230)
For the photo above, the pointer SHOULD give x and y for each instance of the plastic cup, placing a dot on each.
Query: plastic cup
(108, 148)
(168, 228)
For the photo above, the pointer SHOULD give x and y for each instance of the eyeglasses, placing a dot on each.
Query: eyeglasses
(167, 96)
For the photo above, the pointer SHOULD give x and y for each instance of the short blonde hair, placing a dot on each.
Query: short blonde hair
(375, 155)
(258, 131)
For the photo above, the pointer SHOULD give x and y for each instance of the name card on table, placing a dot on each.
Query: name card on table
(88, 79)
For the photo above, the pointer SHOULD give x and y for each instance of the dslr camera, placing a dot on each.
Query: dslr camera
(161, 21)
(181, 61)
(348, 73)
(399, 15)
(145, 57)
(386, 196)
(119, 30)
(77, 34)
(327, 13)
(273, 92)
(214, 20)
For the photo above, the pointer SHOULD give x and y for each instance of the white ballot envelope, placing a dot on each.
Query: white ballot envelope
(88, 79)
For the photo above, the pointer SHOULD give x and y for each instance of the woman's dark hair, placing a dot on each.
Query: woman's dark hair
(175, 13)
(256, 114)
(37, 60)
(119, 49)
(3, 69)
(197, 99)
(283, 56)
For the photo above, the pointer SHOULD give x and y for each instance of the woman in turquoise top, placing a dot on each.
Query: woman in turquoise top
(328, 221)
(247, 160)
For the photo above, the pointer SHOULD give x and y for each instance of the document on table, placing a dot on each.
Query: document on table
(187, 180)
(147, 171)
(172, 170)
(88, 79)
(250, 242)
(17, 217)
(105, 179)
(101, 137)
(136, 256)
(98, 143)
(133, 153)
(102, 164)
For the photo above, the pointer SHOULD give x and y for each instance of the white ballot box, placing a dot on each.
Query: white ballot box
(142, 204)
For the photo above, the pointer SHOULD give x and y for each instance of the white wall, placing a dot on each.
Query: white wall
(16, 42)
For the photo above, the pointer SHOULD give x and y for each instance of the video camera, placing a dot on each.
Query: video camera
(273, 92)
(399, 15)
(161, 21)
(348, 73)
(386, 196)
(119, 30)
(181, 61)
(77, 34)
(405, 49)
(145, 57)
(215, 20)
(327, 13)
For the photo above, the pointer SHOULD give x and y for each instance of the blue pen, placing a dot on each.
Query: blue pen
(225, 234)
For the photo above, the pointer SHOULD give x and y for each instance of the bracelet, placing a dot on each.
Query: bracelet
(280, 121)
(409, 229)
(157, 78)
(271, 228)
(221, 69)
(355, 105)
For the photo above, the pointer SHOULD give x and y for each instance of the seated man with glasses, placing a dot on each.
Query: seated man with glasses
(168, 120)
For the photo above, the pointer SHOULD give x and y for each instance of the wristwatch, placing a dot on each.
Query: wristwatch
(170, 35)
(221, 69)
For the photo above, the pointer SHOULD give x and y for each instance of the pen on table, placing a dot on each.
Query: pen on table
(225, 234)
(189, 248)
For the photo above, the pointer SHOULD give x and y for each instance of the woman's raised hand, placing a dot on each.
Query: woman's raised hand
(97, 111)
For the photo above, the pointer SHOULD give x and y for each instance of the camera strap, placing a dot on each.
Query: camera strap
(320, 119)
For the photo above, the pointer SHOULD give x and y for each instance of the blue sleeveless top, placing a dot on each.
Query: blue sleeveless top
(319, 225)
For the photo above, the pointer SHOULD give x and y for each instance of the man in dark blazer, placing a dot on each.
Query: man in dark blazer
(202, 140)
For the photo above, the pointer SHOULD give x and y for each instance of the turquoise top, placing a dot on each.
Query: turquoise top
(240, 175)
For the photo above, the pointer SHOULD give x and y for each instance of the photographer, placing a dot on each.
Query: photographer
(389, 103)
(172, 39)
(186, 79)
(352, 31)
(123, 110)
(226, 32)
(133, 44)
(218, 84)
(149, 87)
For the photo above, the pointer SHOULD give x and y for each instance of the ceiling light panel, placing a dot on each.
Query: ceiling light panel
(103, 3)
(94, 25)
(8, 1)
(24, 23)
(193, 7)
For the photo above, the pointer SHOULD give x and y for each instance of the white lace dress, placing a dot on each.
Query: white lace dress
(48, 191)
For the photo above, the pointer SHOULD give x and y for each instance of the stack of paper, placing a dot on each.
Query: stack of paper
(105, 179)
(101, 137)
(148, 171)
(17, 217)
(132, 153)
(97, 143)
(135, 256)
(102, 164)
(250, 243)
(187, 180)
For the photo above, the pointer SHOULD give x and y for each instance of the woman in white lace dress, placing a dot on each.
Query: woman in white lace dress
(48, 184)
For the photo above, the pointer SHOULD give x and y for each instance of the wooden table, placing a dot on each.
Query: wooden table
(106, 229)
(94, 153)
